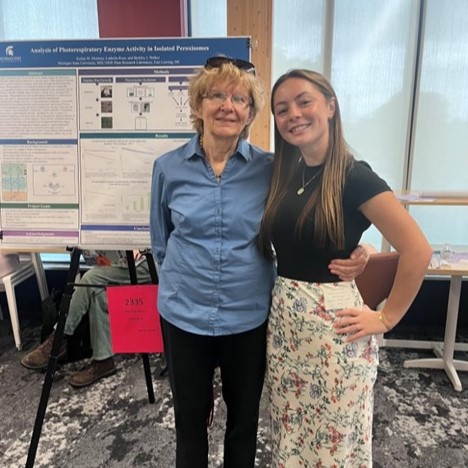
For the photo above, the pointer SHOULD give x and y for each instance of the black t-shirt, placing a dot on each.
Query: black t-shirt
(297, 256)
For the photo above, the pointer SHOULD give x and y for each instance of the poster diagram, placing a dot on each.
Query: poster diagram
(54, 180)
(137, 103)
(14, 182)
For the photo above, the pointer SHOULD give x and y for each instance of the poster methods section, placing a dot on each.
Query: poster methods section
(81, 125)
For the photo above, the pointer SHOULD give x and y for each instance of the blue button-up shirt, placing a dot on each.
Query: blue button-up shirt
(213, 279)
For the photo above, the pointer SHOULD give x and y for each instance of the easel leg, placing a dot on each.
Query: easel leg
(144, 356)
(155, 280)
(52, 364)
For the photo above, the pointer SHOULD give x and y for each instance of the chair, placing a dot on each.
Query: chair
(29, 264)
(376, 281)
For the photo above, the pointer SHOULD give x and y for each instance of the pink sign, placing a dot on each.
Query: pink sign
(134, 319)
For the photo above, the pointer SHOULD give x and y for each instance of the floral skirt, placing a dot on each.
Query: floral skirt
(320, 386)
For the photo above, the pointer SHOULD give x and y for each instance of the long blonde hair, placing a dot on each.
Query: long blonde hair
(325, 202)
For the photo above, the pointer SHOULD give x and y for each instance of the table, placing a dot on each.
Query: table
(453, 198)
(444, 351)
(445, 354)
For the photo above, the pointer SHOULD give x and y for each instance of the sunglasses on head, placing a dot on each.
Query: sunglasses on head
(217, 62)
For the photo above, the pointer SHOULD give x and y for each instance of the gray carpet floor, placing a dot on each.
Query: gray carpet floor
(419, 421)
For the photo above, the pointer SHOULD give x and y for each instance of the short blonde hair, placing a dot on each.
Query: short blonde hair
(207, 78)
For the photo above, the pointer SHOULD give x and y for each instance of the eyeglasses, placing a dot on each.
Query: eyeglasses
(238, 100)
(219, 61)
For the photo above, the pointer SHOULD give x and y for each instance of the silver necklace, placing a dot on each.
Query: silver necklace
(301, 190)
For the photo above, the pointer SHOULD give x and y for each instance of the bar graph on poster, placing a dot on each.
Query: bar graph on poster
(82, 123)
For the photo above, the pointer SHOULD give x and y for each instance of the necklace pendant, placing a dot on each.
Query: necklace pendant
(300, 191)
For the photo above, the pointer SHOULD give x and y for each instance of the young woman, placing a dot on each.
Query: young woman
(321, 351)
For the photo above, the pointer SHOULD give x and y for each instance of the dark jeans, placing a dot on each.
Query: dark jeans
(191, 361)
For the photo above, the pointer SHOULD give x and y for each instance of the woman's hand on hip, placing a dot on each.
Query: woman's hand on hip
(358, 323)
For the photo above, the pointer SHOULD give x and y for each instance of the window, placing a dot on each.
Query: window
(207, 18)
(369, 49)
(297, 35)
(48, 19)
(440, 159)
(372, 72)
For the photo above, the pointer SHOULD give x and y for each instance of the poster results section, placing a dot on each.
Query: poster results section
(116, 185)
(81, 125)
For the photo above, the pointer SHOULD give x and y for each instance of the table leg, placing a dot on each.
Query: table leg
(445, 358)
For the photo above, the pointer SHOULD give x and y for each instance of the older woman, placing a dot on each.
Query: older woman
(207, 203)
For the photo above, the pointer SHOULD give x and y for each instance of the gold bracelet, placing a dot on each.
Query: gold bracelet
(384, 321)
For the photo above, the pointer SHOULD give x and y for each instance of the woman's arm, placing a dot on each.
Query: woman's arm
(403, 233)
(160, 217)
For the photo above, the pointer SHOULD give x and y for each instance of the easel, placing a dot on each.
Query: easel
(58, 337)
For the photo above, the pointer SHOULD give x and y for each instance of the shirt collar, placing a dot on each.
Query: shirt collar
(193, 148)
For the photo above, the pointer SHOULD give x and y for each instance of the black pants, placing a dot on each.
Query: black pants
(191, 361)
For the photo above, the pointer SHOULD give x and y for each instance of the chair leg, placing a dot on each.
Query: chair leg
(13, 308)
(40, 275)
(380, 340)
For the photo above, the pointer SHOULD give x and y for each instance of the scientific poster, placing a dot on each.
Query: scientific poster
(81, 124)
